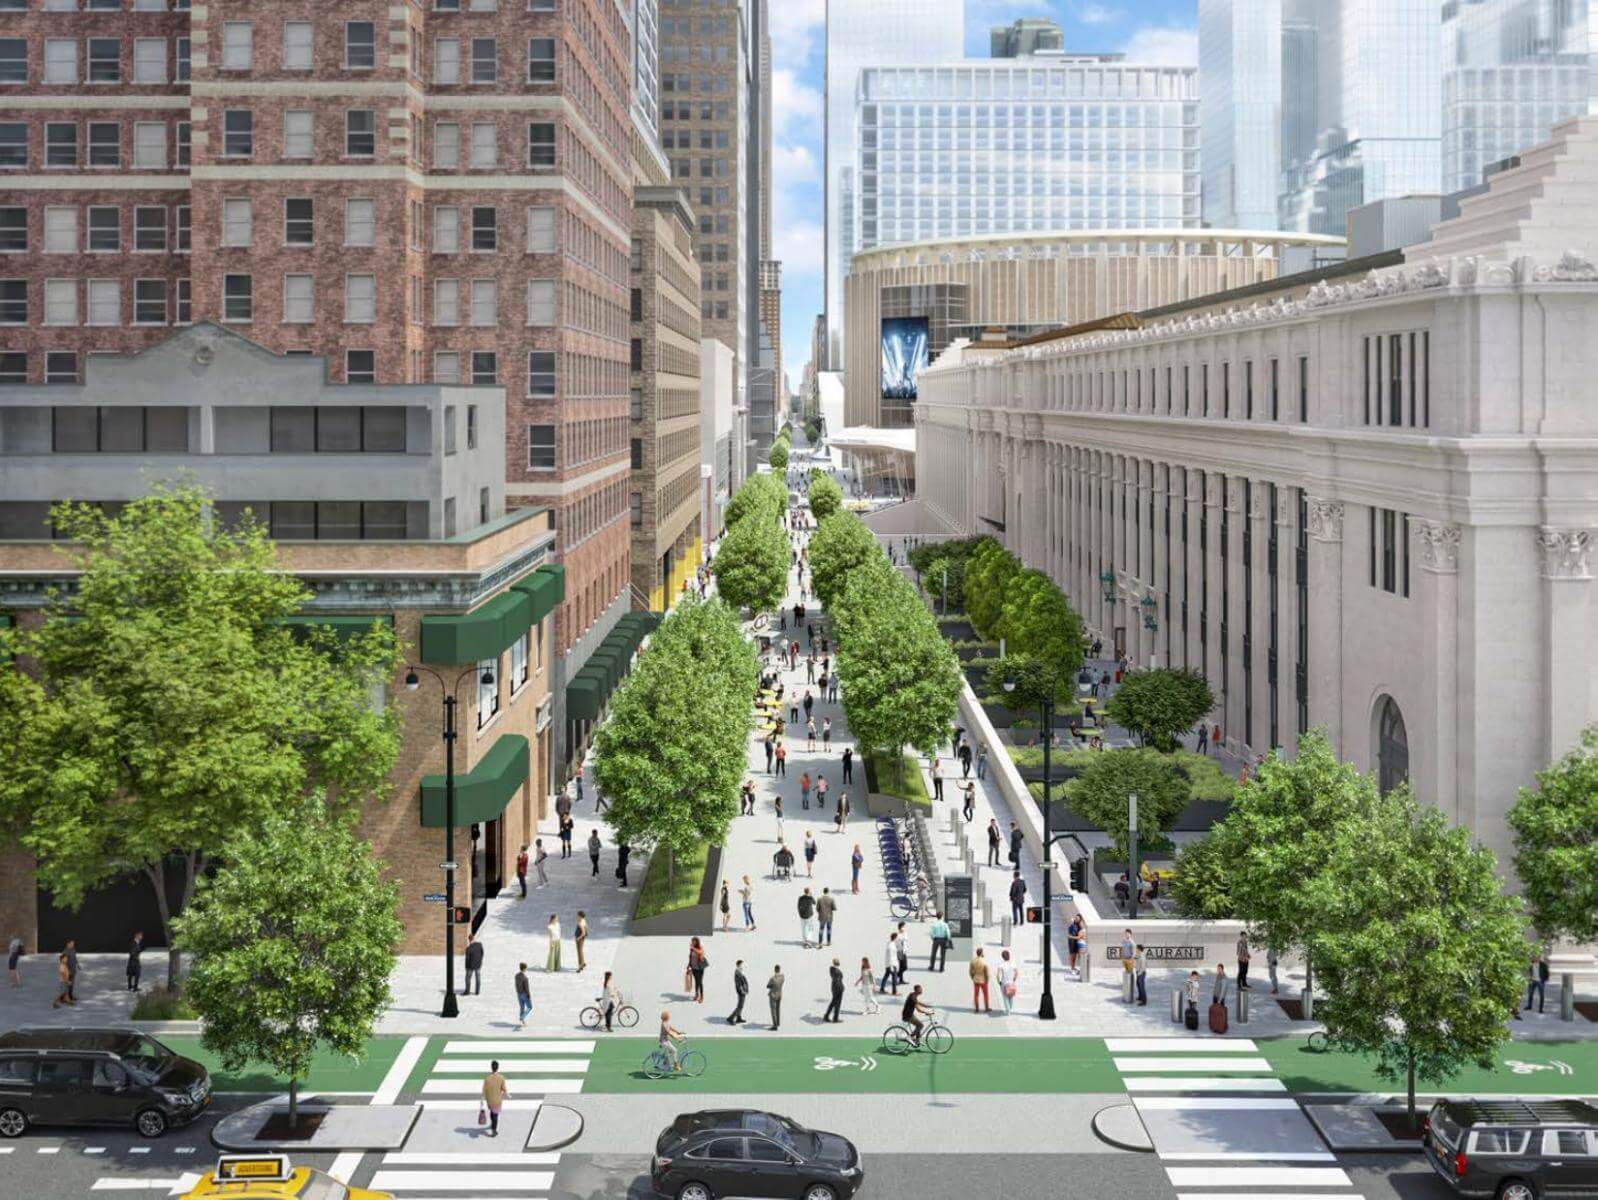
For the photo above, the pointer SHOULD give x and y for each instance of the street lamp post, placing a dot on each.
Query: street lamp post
(412, 682)
(1132, 866)
(1046, 1001)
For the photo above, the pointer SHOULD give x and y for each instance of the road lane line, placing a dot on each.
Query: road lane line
(1161, 1083)
(1251, 1156)
(345, 1165)
(1253, 1177)
(508, 1067)
(401, 1158)
(464, 1181)
(520, 1047)
(1180, 1045)
(471, 1087)
(134, 1185)
(1208, 1066)
(404, 1062)
(1224, 1103)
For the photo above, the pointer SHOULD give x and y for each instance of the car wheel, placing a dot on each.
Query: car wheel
(820, 1191)
(151, 1123)
(13, 1122)
(693, 1191)
(1516, 1189)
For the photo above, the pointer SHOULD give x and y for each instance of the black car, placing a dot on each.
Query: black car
(1513, 1149)
(742, 1152)
(96, 1077)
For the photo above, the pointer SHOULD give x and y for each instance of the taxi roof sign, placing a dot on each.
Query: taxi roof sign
(257, 1168)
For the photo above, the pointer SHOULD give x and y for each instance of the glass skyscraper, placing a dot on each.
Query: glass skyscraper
(1240, 107)
(1511, 70)
(1024, 145)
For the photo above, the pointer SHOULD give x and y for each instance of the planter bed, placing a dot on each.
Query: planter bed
(697, 917)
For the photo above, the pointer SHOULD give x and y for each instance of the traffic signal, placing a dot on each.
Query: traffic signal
(463, 914)
(1079, 875)
(1034, 914)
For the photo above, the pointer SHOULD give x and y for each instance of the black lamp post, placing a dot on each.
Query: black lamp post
(1046, 1001)
(413, 681)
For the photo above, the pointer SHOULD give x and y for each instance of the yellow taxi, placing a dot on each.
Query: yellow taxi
(273, 1177)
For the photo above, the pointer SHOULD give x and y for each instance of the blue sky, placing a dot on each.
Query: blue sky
(1148, 30)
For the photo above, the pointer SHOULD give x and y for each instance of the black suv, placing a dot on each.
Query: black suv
(742, 1152)
(96, 1077)
(1515, 1150)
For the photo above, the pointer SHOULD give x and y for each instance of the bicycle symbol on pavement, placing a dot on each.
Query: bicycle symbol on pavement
(864, 1063)
(1520, 1067)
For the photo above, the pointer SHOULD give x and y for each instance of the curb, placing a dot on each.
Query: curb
(1126, 1137)
(228, 1133)
(566, 1127)
(186, 1027)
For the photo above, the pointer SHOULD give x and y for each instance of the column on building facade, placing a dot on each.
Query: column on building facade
(1193, 565)
(1286, 518)
(1160, 576)
(1210, 598)
(1437, 589)
(1115, 541)
(1326, 621)
(1233, 616)
(1077, 551)
(1260, 518)
(1143, 503)
(1567, 625)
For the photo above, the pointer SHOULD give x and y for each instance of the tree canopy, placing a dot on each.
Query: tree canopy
(1100, 794)
(988, 572)
(752, 565)
(1158, 705)
(901, 682)
(840, 546)
(169, 706)
(826, 497)
(1556, 844)
(761, 493)
(778, 458)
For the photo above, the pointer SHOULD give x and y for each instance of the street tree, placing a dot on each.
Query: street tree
(778, 458)
(944, 579)
(752, 564)
(1556, 844)
(1201, 889)
(1421, 952)
(293, 941)
(1100, 795)
(167, 705)
(1160, 704)
(901, 681)
(761, 495)
(840, 546)
(1035, 620)
(869, 583)
(987, 575)
(826, 497)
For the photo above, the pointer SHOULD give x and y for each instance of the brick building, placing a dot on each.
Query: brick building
(430, 192)
(771, 326)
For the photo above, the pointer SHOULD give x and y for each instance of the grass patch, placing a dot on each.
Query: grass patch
(656, 896)
(329, 1071)
(1204, 776)
(901, 778)
(158, 1004)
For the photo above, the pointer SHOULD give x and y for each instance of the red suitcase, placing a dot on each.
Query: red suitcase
(1217, 1018)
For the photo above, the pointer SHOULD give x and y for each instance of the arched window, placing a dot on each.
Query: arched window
(1392, 746)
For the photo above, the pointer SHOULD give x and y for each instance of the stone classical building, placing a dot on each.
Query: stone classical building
(1368, 508)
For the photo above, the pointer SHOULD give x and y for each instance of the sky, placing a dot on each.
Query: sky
(1160, 31)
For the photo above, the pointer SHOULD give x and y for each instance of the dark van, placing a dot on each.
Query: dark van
(96, 1077)
(1515, 1149)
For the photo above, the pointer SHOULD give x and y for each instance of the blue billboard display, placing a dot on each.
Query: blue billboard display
(904, 356)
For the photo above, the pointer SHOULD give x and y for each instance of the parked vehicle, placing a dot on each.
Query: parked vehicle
(1513, 1149)
(96, 1077)
(744, 1152)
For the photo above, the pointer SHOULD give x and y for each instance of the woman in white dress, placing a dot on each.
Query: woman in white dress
(867, 984)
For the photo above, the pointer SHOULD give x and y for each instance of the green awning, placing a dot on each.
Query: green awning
(518, 614)
(5, 621)
(483, 792)
(544, 591)
(558, 573)
(585, 695)
(610, 663)
(342, 628)
(481, 633)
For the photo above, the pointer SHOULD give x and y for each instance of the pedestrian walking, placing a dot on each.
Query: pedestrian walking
(577, 777)
(1017, 898)
(969, 807)
(809, 929)
(748, 799)
(979, 982)
(1242, 963)
(837, 817)
(1140, 971)
(539, 855)
(826, 906)
(14, 956)
(623, 852)
(832, 687)
(821, 791)
(965, 760)
(938, 960)
(610, 998)
(563, 805)
(474, 965)
(746, 893)
(521, 870)
(982, 762)
(1536, 981)
(866, 984)
(63, 975)
(1008, 976)
(810, 854)
(937, 779)
(848, 764)
(594, 847)
(567, 827)
(1203, 743)
(995, 840)
(552, 930)
(804, 790)
(740, 989)
(810, 734)
(495, 1092)
(903, 946)
(774, 997)
(782, 760)
(725, 906)
(834, 1012)
(776, 805)
(1073, 942)
(580, 938)
(72, 969)
(135, 949)
(890, 970)
(524, 996)
(856, 861)
(771, 746)
(1015, 845)
(1215, 737)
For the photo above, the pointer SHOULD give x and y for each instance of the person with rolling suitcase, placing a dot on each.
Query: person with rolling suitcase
(1191, 989)
(1218, 1001)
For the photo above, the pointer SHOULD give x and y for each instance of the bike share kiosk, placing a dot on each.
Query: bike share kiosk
(958, 913)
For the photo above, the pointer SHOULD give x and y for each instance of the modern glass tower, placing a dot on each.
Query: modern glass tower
(863, 33)
(1240, 108)
(1511, 70)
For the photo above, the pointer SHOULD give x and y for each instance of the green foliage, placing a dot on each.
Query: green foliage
(674, 752)
(901, 682)
(293, 943)
(899, 775)
(813, 430)
(1100, 794)
(1201, 889)
(1158, 705)
(672, 883)
(1421, 952)
(944, 579)
(159, 1004)
(840, 546)
(171, 709)
(778, 458)
(1036, 621)
(826, 497)
(988, 571)
(869, 581)
(752, 564)
(959, 550)
(762, 494)
(1556, 844)
(1035, 680)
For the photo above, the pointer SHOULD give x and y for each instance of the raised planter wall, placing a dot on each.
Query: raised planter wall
(697, 918)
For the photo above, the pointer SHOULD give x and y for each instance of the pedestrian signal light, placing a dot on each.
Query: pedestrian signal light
(1034, 914)
(463, 914)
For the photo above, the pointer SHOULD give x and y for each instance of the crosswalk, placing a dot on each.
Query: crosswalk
(441, 1162)
(1221, 1123)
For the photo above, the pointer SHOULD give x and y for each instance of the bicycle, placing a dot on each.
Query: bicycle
(690, 1063)
(1317, 1042)
(593, 1017)
(935, 1039)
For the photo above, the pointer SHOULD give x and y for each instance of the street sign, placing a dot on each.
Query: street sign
(447, 866)
(433, 898)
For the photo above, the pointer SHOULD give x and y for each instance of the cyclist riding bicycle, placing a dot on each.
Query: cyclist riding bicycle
(912, 1007)
(669, 1037)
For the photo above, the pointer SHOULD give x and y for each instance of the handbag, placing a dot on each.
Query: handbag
(1009, 990)
(482, 1114)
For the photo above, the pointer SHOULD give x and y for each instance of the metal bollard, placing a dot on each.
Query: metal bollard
(1176, 1006)
(987, 912)
(1127, 984)
(1567, 997)
(1007, 928)
(1086, 959)
(1242, 1006)
(954, 822)
(1306, 997)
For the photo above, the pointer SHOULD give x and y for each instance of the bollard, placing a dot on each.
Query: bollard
(1242, 1006)
(1567, 997)
(1176, 1006)
(954, 826)
(1307, 998)
(1127, 984)
(1008, 930)
(1086, 959)
(987, 912)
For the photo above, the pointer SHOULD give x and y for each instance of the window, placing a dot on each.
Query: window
(540, 60)
(105, 230)
(299, 223)
(299, 299)
(471, 428)
(485, 228)
(541, 447)
(60, 60)
(638, 454)
(360, 133)
(446, 302)
(238, 133)
(60, 144)
(541, 374)
(105, 60)
(360, 366)
(518, 648)
(541, 302)
(541, 145)
(485, 60)
(447, 60)
(149, 302)
(183, 221)
(61, 302)
(14, 230)
(238, 222)
(299, 139)
(446, 367)
(105, 302)
(446, 229)
(60, 366)
(360, 45)
(485, 303)
(446, 145)
(183, 307)
(238, 298)
(60, 230)
(360, 299)
(635, 504)
(360, 222)
(449, 429)
(485, 368)
(149, 60)
(487, 692)
(105, 144)
(541, 230)
(13, 144)
(485, 145)
(185, 61)
(297, 42)
(13, 301)
(13, 369)
(1560, 1143)
(149, 228)
(238, 45)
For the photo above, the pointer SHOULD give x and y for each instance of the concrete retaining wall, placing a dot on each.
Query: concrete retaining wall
(697, 918)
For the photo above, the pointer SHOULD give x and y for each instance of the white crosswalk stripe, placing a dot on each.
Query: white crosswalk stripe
(1170, 1084)
(1245, 1177)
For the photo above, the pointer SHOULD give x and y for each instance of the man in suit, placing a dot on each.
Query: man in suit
(834, 1011)
(135, 948)
(740, 985)
(474, 965)
(774, 995)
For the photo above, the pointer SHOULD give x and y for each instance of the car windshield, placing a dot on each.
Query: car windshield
(779, 1129)
(323, 1187)
(1446, 1128)
(145, 1056)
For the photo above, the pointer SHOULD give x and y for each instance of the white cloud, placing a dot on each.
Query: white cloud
(1162, 46)
(796, 107)
(1094, 14)
(795, 28)
(797, 243)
